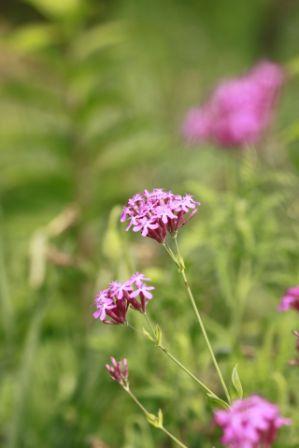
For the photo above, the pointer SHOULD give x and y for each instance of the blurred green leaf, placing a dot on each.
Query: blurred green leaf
(217, 401)
(56, 9)
(32, 38)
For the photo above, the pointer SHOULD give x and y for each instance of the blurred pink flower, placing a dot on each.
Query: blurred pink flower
(250, 423)
(154, 213)
(239, 110)
(118, 370)
(290, 300)
(113, 302)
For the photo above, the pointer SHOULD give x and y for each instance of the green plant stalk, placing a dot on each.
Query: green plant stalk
(186, 370)
(146, 413)
(182, 269)
(178, 363)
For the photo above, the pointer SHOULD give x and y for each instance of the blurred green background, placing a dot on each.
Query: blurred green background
(93, 94)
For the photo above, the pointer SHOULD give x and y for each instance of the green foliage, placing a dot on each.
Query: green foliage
(92, 94)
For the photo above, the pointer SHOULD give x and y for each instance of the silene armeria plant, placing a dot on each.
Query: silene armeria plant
(250, 422)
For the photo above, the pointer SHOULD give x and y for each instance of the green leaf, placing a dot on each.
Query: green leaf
(158, 335)
(237, 382)
(56, 9)
(160, 416)
(147, 335)
(218, 401)
(31, 38)
(155, 420)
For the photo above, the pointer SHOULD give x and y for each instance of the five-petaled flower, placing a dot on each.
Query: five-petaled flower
(118, 370)
(155, 213)
(290, 300)
(239, 110)
(250, 423)
(113, 302)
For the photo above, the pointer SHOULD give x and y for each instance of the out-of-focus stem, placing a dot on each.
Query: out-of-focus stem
(199, 318)
(146, 413)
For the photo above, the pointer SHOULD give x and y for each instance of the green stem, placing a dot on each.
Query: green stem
(173, 437)
(186, 370)
(171, 254)
(149, 322)
(178, 363)
(199, 318)
(135, 399)
(146, 413)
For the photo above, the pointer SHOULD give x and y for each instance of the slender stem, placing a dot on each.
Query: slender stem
(173, 437)
(178, 363)
(131, 326)
(149, 322)
(171, 254)
(186, 370)
(200, 321)
(134, 398)
(146, 413)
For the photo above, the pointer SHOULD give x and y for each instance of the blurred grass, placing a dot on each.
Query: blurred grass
(92, 96)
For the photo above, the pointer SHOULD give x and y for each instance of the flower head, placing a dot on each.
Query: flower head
(113, 302)
(118, 370)
(290, 300)
(154, 213)
(250, 423)
(239, 109)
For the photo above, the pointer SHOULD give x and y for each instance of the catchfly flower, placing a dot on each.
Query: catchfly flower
(290, 300)
(239, 110)
(155, 213)
(250, 423)
(113, 302)
(118, 370)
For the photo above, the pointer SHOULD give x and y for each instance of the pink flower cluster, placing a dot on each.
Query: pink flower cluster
(239, 110)
(154, 213)
(118, 370)
(250, 423)
(113, 302)
(290, 300)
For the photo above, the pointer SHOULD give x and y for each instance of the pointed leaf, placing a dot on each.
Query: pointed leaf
(154, 420)
(160, 417)
(218, 401)
(147, 335)
(237, 382)
(158, 334)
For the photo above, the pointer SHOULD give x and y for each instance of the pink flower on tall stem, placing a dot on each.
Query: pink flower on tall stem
(113, 302)
(290, 300)
(250, 423)
(239, 110)
(118, 370)
(158, 212)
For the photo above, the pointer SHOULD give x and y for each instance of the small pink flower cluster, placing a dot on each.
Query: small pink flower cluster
(290, 300)
(239, 110)
(250, 423)
(113, 302)
(154, 213)
(118, 370)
